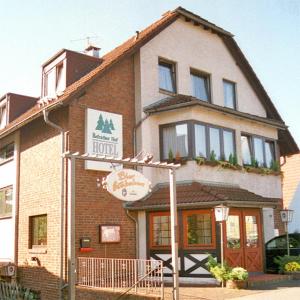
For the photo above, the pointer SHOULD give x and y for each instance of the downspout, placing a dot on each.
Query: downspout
(136, 232)
(138, 124)
(134, 154)
(62, 132)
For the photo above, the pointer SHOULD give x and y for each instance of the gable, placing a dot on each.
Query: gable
(189, 47)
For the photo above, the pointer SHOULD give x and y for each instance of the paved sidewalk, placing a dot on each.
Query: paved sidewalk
(289, 290)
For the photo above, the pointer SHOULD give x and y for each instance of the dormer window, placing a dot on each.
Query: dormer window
(54, 80)
(59, 84)
(3, 114)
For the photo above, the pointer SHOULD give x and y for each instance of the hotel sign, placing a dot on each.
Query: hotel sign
(127, 185)
(104, 136)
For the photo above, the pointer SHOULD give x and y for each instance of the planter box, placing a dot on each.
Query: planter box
(294, 275)
(236, 284)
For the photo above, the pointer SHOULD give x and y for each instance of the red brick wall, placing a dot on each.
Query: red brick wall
(40, 194)
(113, 92)
(40, 181)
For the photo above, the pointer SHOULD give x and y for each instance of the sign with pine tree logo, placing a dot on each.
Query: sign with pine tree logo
(104, 136)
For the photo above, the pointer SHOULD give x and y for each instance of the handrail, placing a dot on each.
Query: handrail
(135, 284)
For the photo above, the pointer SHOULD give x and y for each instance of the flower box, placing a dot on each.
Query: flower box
(236, 284)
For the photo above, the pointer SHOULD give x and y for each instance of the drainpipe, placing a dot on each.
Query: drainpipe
(136, 232)
(138, 124)
(62, 132)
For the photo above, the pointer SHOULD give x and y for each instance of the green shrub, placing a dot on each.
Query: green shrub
(275, 166)
(170, 155)
(238, 273)
(281, 261)
(221, 273)
(213, 156)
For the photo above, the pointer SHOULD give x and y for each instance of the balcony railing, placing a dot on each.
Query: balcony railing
(122, 275)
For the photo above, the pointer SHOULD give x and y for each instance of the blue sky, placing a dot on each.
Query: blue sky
(268, 32)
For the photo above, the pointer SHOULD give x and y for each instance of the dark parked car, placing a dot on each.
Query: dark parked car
(278, 247)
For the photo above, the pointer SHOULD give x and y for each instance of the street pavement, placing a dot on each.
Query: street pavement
(289, 290)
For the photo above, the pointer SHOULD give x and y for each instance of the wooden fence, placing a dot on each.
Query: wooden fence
(13, 291)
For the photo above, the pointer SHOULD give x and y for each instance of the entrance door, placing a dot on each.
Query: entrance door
(243, 239)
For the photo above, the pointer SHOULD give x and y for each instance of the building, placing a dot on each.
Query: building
(182, 90)
(291, 189)
(11, 107)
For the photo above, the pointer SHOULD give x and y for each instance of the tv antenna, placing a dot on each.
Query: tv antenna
(87, 39)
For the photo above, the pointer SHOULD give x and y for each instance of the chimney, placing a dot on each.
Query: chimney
(92, 51)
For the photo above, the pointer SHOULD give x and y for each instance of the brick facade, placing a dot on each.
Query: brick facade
(40, 181)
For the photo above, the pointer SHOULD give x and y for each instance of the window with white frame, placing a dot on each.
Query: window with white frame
(3, 114)
(54, 80)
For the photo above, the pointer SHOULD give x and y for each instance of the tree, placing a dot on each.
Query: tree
(111, 125)
(100, 123)
(106, 127)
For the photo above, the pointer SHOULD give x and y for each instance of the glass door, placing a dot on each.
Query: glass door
(243, 240)
(233, 239)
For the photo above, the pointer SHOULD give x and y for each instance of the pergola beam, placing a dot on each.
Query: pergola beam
(126, 161)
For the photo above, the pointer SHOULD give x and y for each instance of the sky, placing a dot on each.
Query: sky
(268, 32)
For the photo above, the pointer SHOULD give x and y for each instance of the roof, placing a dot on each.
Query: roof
(198, 194)
(181, 101)
(135, 43)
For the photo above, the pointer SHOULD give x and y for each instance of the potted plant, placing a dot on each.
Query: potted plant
(221, 273)
(292, 268)
(237, 278)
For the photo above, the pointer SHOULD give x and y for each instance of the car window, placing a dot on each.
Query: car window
(280, 243)
(294, 243)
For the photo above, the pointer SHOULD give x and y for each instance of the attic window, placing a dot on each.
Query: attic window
(59, 77)
(54, 81)
(3, 114)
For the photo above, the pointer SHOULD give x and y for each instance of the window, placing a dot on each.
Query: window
(200, 140)
(6, 152)
(200, 86)
(194, 139)
(214, 142)
(175, 141)
(198, 229)
(160, 229)
(59, 77)
(6, 202)
(270, 153)
(246, 150)
(167, 79)
(233, 236)
(229, 94)
(258, 151)
(3, 114)
(38, 231)
(228, 144)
